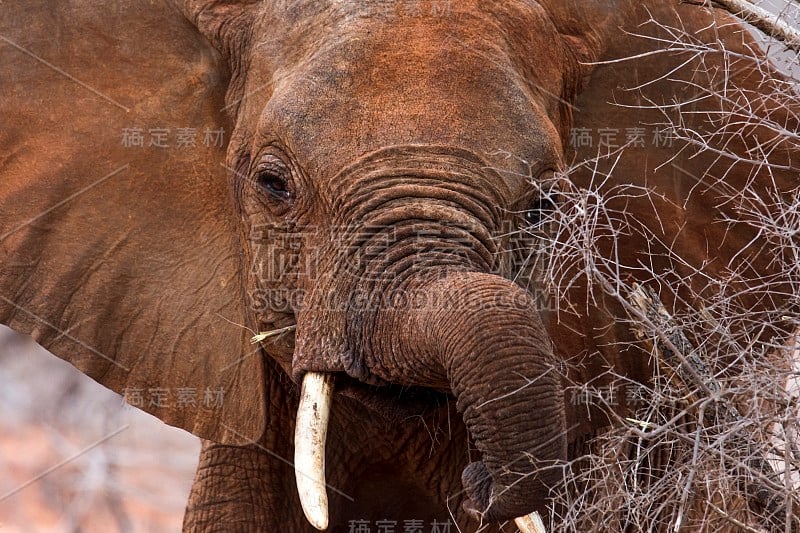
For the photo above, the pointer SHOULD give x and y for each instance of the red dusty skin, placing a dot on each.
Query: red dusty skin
(481, 335)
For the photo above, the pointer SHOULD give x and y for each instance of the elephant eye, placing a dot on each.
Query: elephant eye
(538, 211)
(275, 185)
(272, 178)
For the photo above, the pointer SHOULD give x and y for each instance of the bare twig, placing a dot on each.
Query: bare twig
(763, 20)
(726, 415)
(708, 443)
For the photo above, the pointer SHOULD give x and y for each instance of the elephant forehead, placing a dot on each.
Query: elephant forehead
(419, 82)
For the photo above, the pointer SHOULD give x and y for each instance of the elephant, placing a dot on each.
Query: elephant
(353, 181)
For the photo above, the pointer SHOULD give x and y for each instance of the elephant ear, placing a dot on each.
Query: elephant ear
(118, 245)
(682, 100)
(679, 101)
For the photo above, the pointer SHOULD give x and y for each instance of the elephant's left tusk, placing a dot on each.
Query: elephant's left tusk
(311, 428)
(531, 523)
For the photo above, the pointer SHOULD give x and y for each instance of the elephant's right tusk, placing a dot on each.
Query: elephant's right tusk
(531, 523)
(311, 428)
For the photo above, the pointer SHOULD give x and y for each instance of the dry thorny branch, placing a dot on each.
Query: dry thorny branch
(711, 442)
(759, 18)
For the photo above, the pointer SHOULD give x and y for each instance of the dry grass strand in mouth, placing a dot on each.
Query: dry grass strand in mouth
(264, 335)
(712, 442)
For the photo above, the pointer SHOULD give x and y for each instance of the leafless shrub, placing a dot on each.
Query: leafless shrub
(710, 442)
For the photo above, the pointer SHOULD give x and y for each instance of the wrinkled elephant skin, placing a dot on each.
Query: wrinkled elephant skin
(355, 174)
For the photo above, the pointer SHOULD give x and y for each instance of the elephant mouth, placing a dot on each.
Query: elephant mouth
(318, 392)
(387, 400)
(311, 429)
(393, 402)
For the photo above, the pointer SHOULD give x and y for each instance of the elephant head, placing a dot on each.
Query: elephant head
(371, 172)
(378, 158)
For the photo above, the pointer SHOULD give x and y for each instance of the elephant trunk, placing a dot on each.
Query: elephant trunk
(407, 300)
(484, 335)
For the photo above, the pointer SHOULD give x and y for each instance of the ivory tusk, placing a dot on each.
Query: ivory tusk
(531, 523)
(309, 446)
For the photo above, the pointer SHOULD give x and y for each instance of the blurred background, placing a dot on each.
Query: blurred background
(74, 458)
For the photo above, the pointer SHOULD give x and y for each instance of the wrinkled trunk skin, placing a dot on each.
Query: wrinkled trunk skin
(484, 334)
(408, 299)
(479, 336)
